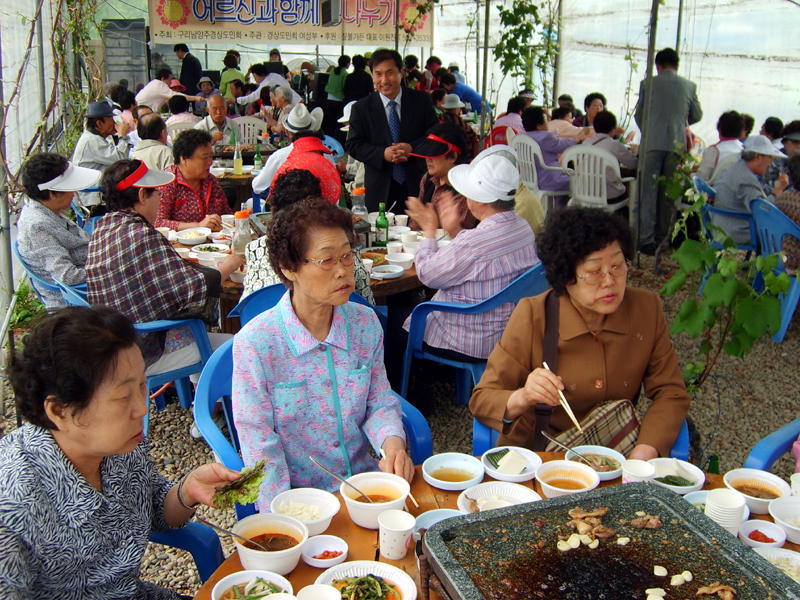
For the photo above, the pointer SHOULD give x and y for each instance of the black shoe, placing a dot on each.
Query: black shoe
(648, 249)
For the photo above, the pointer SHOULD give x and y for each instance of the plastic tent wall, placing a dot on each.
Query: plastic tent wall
(743, 54)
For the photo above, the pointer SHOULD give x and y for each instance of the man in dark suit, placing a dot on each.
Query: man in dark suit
(191, 69)
(384, 129)
(674, 104)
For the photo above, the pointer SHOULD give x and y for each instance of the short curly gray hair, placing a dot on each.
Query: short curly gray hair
(285, 91)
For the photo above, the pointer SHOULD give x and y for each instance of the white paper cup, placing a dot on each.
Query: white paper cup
(411, 248)
(395, 533)
(183, 252)
(401, 220)
(163, 231)
(409, 237)
(228, 220)
(367, 264)
(394, 248)
(795, 481)
(725, 507)
(637, 470)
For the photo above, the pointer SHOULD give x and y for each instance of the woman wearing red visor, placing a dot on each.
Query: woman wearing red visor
(444, 148)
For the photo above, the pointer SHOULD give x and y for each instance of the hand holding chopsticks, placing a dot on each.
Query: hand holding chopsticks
(565, 404)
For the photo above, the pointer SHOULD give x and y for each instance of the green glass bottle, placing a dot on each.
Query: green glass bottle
(232, 141)
(381, 226)
(258, 160)
(713, 464)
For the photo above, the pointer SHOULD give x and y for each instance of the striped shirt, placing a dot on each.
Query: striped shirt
(476, 265)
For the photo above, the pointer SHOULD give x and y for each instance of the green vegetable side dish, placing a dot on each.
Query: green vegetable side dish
(675, 480)
(369, 587)
(244, 490)
(207, 249)
(259, 588)
(495, 457)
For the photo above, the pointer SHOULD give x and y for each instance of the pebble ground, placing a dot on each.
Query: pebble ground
(746, 401)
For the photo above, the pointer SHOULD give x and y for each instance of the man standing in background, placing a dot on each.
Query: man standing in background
(191, 69)
(674, 103)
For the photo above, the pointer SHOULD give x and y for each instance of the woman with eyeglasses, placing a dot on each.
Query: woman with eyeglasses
(612, 340)
(308, 376)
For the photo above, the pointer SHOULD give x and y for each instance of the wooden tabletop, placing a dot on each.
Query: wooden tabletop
(363, 543)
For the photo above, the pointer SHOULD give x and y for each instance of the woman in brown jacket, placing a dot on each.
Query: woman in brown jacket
(612, 340)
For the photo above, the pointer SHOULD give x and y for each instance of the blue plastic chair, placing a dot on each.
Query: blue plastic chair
(771, 226)
(216, 382)
(37, 283)
(709, 209)
(703, 187)
(530, 283)
(265, 298)
(484, 438)
(771, 448)
(334, 146)
(76, 296)
(199, 540)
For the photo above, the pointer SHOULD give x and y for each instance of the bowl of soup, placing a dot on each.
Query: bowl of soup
(386, 490)
(759, 488)
(240, 581)
(562, 477)
(452, 471)
(607, 462)
(284, 534)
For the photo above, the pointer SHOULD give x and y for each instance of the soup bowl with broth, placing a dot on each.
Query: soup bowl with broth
(562, 477)
(280, 531)
(759, 488)
(452, 471)
(388, 492)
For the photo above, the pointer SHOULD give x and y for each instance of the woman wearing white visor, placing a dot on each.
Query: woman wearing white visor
(52, 246)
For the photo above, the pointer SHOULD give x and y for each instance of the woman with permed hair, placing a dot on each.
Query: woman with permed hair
(308, 375)
(612, 340)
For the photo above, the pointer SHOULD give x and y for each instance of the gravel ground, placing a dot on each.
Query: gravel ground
(755, 396)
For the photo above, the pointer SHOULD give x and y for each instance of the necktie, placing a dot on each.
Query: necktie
(398, 173)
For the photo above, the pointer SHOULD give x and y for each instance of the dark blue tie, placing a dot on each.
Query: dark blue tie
(398, 172)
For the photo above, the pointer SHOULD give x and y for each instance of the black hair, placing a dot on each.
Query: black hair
(185, 145)
(115, 199)
(438, 95)
(163, 73)
(264, 95)
(150, 126)
(433, 59)
(605, 122)
(385, 54)
(442, 71)
(135, 111)
(230, 61)
(572, 234)
(447, 79)
(587, 102)
(730, 124)
(344, 62)
(749, 123)
(238, 83)
(234, 52)
(49, 367)
(411, 62)
(180, 47)
(565, 97)
(562, 111)
(667, 59)
(359, 62)
(516, 105)
(41, 168)
(773, 127)
(259, 69)
(790, 128)
(178, 104)
(127, 100)
(91, 122)
(450, 132)
(532, 117)
(112, 89)
(291, 187)
(793, 166)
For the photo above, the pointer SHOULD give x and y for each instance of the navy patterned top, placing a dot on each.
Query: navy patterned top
(60, 537)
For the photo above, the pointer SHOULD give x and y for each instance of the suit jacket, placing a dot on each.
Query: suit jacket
(632, 349)
(674, 103)
(191, 72)
(370, 135)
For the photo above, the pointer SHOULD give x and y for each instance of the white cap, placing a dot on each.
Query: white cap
(761, 144)
(506, 152)
(489, 180)
(72, 180)
(144, 177)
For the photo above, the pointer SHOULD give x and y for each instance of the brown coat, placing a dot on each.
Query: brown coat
(633, 348)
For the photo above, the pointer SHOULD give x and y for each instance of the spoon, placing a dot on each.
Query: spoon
(236, 535)
(335, 476)
(560, 445)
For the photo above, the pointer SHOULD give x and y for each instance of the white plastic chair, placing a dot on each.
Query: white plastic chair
(527, 149)
(510, 135)
(590, 174)
(174, 129)
(249, 130)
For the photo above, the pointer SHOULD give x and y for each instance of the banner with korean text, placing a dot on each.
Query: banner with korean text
(334, 22)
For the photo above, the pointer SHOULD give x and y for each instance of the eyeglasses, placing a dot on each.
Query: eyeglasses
(327, 263)
(595, 277)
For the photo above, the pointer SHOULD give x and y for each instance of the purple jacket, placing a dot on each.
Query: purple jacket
(552, 146)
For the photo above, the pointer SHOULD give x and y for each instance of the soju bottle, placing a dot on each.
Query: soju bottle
(258, 160)
(381, 226)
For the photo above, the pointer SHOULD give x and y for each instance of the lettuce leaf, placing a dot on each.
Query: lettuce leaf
(244, 490)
